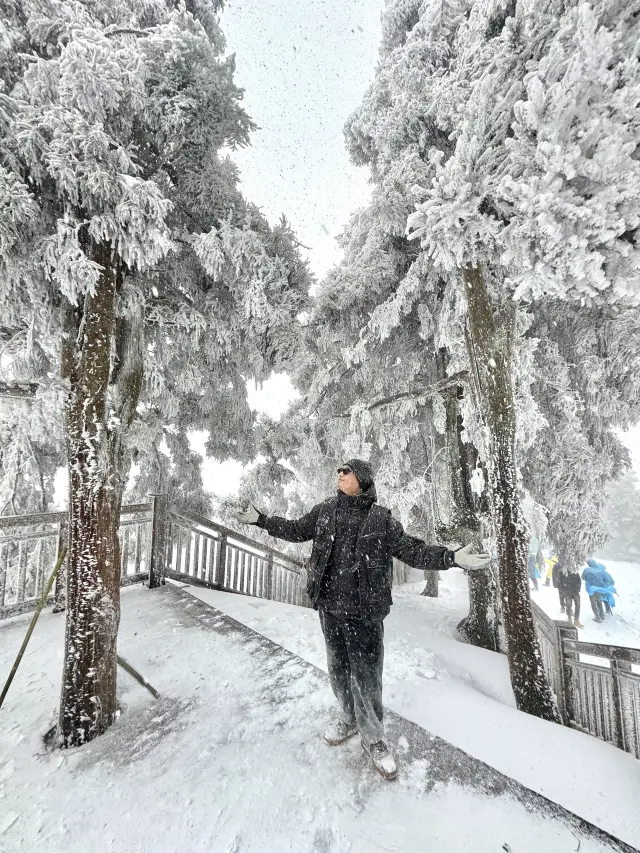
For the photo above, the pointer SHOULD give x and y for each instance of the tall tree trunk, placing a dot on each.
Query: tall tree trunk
(457, 517)
(490, 339)
(481, 627)
(431, 586)
(88, 700)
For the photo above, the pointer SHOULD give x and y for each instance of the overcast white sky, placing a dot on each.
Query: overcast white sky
(304, 65)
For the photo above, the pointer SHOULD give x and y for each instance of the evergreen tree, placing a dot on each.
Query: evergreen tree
(129, 254)
(453, 86)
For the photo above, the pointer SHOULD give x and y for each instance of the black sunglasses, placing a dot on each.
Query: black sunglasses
(345, 470)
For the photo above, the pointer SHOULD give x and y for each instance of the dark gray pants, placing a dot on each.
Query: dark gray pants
(572, 604)
(355, 657)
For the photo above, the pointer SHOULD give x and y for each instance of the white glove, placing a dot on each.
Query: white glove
(248, 515)
(466, 559)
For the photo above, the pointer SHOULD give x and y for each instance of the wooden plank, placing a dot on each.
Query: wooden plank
(12, 539)
(189, 536)
(138, 551)
(126, 547)
(601, 650)
(245, 571)
(179, 554)
(209, 558)
(4, 571)
(39, 584)
(220, 567)
(196, 554)
(22, 571)
(234, 556)
(9, 522)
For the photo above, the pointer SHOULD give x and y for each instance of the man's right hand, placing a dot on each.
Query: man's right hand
(467, 558)
(248, 515)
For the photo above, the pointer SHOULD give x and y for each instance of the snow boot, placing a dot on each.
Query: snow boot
(382, 758)
(578, 623)
(339, 732)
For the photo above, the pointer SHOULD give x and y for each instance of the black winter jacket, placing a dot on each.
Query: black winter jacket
(380, 538)
(569, 583)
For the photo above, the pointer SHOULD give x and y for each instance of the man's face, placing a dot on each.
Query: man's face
(347, 481)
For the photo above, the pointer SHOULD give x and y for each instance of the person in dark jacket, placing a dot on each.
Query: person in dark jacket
(349, 583)
(569, 585)
(556, 570)
(532, 570)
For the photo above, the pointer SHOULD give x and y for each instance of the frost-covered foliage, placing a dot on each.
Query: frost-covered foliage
(622, 517)
(587, 364)
(113, 121)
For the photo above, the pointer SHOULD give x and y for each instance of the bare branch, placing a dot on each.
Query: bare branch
(22, 390)
(430, 391)
(126, 31)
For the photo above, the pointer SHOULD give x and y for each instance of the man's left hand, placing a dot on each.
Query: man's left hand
(465, 558)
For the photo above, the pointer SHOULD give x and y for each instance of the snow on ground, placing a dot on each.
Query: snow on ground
(621, 629)
(229, 760)
(463, 694)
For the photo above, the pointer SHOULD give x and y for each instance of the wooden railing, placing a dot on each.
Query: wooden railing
(30, 544)
(202, 552)
(601, 698)
(157, 540)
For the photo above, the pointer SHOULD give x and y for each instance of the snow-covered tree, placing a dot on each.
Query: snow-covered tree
(130, 257)
(521, 136)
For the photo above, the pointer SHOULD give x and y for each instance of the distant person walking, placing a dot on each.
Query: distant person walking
(600, 589)
(550, 563)
(556, 570)
(569, 585)
(349, 583)
(532, 569)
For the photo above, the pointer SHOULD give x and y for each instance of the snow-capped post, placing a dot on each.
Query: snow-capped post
(158, 549)
(565, 696)
(618, 667)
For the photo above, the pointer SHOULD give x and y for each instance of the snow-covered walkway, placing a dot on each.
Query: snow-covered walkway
(230, 759)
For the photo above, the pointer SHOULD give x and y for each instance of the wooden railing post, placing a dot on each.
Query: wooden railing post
(218, 575)
(565, 697)
(269, 583)
(157, 558)
(618, 666)
(60, 588)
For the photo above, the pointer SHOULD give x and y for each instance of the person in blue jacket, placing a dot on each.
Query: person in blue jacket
(600, 589)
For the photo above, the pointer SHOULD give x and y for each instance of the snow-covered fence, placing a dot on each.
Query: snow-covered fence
(600, 699)
(550, 637)
(605, 698)
(204, 553)
(30, 544)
